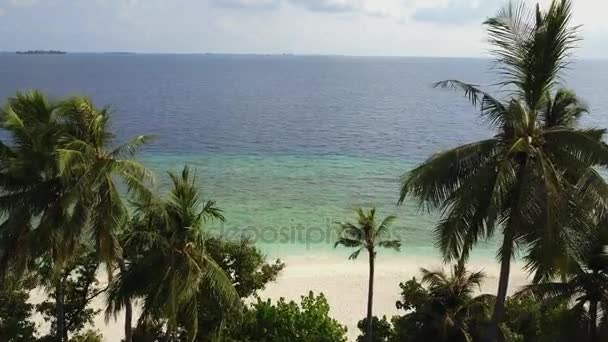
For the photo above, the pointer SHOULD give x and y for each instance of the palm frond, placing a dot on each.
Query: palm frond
(390, 244)
(491, 109)
(355, 254)
(584, 147)
(347, 242)
(384, 226)
(563, 109)
(532, 47)
(220, 284)
(211, 211)
(435, 180)
(509, 31)
(129, 149)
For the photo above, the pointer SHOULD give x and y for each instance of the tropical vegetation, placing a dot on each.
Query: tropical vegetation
(290, 322)
(82, 220)
(534, 181)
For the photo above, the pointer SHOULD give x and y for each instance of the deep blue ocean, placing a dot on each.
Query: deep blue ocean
(288, 144)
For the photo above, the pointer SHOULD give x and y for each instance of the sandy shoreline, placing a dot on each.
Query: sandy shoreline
(343, 282)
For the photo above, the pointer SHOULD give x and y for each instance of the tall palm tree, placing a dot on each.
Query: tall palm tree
(168, 236)
(518, 182)
(42, 217)
(101, 168)
(31, 185)
(52, 193)
(368, 235)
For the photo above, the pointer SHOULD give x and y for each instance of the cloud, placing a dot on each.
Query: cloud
(248, 4)
(2, 12)
(329, 6)
(457, 12)
(371, 8)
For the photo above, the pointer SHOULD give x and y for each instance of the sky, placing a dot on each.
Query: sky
(448, 28)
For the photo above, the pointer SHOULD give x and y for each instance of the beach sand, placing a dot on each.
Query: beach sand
(344, 283)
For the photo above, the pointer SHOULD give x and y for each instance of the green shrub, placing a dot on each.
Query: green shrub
(289, 322)
(382, 330)
(88, 336)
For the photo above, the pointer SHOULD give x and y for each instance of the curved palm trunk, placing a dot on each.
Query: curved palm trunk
(593, 321)
(370, 295)
(503, 284)
(128, 306)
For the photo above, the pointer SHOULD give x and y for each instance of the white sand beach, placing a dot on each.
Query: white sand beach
(344, 283)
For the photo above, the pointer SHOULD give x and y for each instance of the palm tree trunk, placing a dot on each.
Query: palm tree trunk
(503, 284)
(128, 307)
(593, 321)
(60, 311)
(370, 295)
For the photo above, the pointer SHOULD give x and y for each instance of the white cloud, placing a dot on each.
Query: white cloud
(23, 3)
(247, 4)
(373, 8)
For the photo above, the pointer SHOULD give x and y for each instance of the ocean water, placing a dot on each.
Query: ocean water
(288, 145)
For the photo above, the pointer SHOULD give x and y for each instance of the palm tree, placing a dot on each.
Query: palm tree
(52, 190)
(367, 235)
(584, 282)
(89, 156)
(521, 179)
(30, 181)
(38, 204)
(168, 236)
(450, 307)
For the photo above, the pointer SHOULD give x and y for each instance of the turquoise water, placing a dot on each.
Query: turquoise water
(289, 144)
(290, 204)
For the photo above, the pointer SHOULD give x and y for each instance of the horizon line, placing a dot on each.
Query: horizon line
(285, 54)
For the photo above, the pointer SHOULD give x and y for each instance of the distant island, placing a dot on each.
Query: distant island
(41, 52)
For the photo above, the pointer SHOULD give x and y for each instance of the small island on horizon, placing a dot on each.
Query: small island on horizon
(41, 52)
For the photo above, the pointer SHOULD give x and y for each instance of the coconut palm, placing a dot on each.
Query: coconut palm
(31, 185)
(583, 282)
(41, 211)
(368, 235)
(167, 260)
(55, 193)
(101, 169)
(445, 309)
(519, 182)
(90, 156)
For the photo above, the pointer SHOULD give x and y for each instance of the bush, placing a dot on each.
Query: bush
(382, 330)
(88, 336)
(289, 322)
(534, 320)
